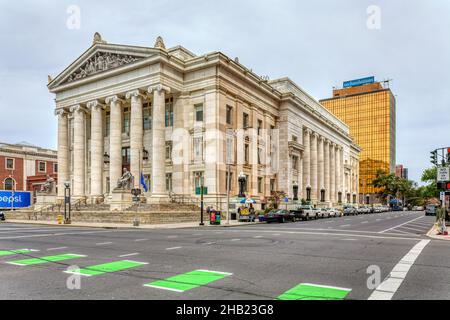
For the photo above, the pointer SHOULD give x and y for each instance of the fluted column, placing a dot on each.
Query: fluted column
(115, 140)
(79, 152)
(63, 150)
(326, 147)
(332, 174)
(306, 161)
(136, 135)
(96, 150)
(314, 167)
(321, 170)
(158, 143)
(336, 152)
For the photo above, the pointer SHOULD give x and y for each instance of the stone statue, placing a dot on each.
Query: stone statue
(48, 185)
(126, 181)
(159, 43)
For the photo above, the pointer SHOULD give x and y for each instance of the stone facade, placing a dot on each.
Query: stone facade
(180, 119)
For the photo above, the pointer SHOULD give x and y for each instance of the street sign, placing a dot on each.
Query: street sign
(443, 174)
(442, 196)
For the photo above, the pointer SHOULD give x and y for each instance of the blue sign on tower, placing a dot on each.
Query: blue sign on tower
(359, 82)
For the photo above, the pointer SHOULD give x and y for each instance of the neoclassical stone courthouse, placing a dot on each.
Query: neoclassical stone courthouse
(179, 120)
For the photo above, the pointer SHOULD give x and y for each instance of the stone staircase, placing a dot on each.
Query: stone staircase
(145, 213)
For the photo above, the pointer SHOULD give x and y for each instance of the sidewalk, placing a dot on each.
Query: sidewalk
(103, 225)
(434, 234)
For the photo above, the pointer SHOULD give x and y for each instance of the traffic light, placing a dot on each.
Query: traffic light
(433, 157)
(448, 186)
(448, 156)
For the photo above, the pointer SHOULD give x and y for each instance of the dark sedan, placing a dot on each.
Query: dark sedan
(279, 215)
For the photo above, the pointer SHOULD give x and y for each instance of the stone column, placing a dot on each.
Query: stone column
(115, 140)
(326, 146)
(336, 152)
(306, 161)
(79, 152)
(63, 151)
(332, 174)
(321, 162)
(158, 143)
(136, 135)
(96, 150)
(314, 167)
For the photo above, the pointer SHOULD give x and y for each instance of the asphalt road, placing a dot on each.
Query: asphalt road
(261, 261)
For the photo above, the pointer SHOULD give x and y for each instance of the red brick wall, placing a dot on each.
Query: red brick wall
(17, 173)
(49, 167)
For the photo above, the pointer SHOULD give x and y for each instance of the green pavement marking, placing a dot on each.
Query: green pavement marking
(41, 260)
(307, 291)
(12, 252)
(187, 281)
(107, 268)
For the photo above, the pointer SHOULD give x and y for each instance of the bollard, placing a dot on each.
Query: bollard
(136, 222)
(59, 218)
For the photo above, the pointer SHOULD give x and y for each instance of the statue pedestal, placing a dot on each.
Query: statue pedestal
(45, 199)
(158, 199)
(121, 199)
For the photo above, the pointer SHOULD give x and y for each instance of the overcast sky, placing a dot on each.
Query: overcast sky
(318, 44)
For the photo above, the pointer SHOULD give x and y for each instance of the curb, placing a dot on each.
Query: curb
(432, 234)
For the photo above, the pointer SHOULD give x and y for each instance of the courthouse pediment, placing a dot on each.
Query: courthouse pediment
(99, 62)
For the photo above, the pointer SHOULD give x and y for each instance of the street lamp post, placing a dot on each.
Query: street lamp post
(200, 177)
(67, 219)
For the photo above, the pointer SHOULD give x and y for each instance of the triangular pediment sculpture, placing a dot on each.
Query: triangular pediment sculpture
(99, 62)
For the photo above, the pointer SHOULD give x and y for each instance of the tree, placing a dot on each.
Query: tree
(429, 176)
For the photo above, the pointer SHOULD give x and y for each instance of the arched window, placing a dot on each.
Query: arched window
(9, 183)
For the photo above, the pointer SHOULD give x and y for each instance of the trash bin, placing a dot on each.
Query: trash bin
(214, 217)
(59, 218)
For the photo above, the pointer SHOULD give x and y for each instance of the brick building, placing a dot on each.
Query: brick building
(24, 167)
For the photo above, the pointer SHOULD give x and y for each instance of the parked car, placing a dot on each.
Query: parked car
(279, 215)
(418, 208)
(430, 210)
(363, 210)
(350, 211)
(324, 213)
(377, 209)
(305, 212)
(332, 213)
(2, 216)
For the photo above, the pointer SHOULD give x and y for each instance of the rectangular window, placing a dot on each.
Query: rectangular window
(294, 138)
(228, 180)
(260, 185)
(168, 150)
(259, 155)
(55, 167)
(272, 185)
(42, 166)
(246, 153)
(126, 122)
(107, 124)
(199, 113)
(198, 148)
(245, 119)
(229, 114)
(126, 156)
(169, 112)
(260, 124)
(294, 163)
(9, 164)
(168, 182)
(147, 118)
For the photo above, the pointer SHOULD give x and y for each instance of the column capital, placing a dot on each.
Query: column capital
(78, 108)
(61, 112)
(315, 135)
(113, 99)
(159, 88)
(307, 130)
(134, 94)
(95, 105)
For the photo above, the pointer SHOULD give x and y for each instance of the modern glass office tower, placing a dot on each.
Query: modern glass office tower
(369, 110)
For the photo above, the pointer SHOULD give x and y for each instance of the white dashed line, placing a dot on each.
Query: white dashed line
(387, 289)
(129, 255)
(257, 237)
(173, 248)
(103, 243)
(401, 224)
(139, 240)
(235, 240)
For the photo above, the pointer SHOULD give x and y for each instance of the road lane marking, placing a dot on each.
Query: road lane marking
(107, 268)
(308, 291)
(257, 237)
(209, 243)
(12, 252)
(42, 260)
(365, 222)
(129, 255)
(173, 248)
(401, 224)
(58, 248)
(53, 234)
(103, 243)
(345, 225)
(414, 229)
(188, 281)
(235, 240)
(387, 289)
(139, 240)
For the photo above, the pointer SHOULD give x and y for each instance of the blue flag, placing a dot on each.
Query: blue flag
(143, 182)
